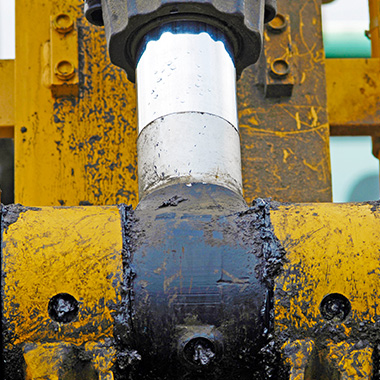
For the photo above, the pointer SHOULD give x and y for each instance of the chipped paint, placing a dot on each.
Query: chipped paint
(353, 360)
(74, 150)
(297, 355)
(50, 251)
(331, 249)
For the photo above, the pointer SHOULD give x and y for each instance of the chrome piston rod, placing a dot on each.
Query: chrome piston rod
(187, 112)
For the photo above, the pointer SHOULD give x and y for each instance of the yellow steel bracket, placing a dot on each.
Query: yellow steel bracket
(277, 59)
(70, 150)
(61, 57)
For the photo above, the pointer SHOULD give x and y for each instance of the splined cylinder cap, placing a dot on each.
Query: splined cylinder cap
(128, 21)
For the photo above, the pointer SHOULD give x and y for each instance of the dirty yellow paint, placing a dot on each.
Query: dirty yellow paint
(314, 117)
(74, 150)
(352, 362)
(330, 248)
(50, 360)
(45, 361)
(298, 121)
(103, 358)
(62, 250)
(297, 354)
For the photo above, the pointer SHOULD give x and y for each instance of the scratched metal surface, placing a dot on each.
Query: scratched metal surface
(285, 141)
(79, 150)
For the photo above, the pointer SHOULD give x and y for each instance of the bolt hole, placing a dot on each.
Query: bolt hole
(63, 308)
(335, 307)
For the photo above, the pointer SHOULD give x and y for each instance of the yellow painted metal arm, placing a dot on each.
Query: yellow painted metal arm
(353, 96)
(63, 270)
(329, 289)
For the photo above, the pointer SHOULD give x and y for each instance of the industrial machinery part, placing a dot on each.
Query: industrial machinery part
(196, 288)
(284, 127)
(190, 286)
(193, 283)
(186, 93)
(128, 22)
(62, 160)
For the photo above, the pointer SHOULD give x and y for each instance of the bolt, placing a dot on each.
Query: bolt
(199, 351)
(335, 307)
(63, 23)
(278, 24)
(64, 70)
(63, 308)
(200, 346)
(279, 68)
(203, 355)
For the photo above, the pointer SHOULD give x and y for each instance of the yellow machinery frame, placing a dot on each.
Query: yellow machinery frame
(97, 166)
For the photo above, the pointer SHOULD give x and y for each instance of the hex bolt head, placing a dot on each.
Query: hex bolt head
(64, 70)
(335, 307)
(63, 308)
(63, 23)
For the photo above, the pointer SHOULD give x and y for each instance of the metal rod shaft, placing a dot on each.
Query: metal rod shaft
(187, 112)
